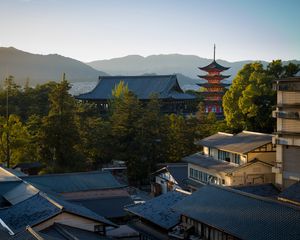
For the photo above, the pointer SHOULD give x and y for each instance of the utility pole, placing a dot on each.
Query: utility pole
(7, 125)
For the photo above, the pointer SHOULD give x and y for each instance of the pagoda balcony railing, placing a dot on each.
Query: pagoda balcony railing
(287, 115)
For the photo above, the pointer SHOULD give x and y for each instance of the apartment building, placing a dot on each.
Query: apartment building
(287, 136)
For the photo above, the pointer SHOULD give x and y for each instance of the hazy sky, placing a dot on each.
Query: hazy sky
(100, 29)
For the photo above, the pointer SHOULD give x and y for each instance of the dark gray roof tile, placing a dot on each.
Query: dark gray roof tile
(28, 212)
(209, 162)
(264, 190)
(109, 207)
(74, 182)
(291, 193)
(240, 214)
(159, 210)
(240, 143)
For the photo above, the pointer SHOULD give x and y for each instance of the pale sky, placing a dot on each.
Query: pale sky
(90, 30)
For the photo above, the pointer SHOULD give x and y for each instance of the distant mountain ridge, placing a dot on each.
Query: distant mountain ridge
(42, 68)
(186, 65)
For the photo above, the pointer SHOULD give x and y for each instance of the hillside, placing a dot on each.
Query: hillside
(42, 68)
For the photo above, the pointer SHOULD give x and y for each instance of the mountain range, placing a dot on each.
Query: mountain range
(186, 66)
(42, 68)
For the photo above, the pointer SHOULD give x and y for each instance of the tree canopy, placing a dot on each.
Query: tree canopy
(249, 102)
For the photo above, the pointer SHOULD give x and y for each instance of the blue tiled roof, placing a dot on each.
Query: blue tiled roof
(291, 193)
(74, 182)
(159, 210)
(81, 211)
(264, 190)
(109, 207)
(59, 231)
(26, 235)
(240, 214)
(180, 173)
(166, 86)
(40, 208)
(28, 212)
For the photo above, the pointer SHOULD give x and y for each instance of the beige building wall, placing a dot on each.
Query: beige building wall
(253, 174)
(269, 157)
(70, 220)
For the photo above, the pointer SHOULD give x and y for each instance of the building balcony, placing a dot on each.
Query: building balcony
(277, 168)
(293, 139)
(286, 115)
(183, 231)
(284, 105)
(287, 86)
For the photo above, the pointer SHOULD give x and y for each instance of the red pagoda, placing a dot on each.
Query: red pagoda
(214, 88)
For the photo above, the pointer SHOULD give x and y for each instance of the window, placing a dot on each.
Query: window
(191, 172)
(236, 158)
(222, 155)
(204, 177)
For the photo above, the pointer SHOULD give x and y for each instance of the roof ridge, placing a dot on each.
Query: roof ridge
(226, 134)
(11, 174)
(62, 174)
(44, 195)
(138, 76)
(256, 133)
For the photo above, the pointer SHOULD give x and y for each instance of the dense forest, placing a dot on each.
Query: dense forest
(46, 124)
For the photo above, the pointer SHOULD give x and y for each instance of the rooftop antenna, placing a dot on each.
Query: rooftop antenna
(214, 52)
(64, 77)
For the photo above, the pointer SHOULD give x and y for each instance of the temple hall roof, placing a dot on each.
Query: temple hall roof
(165, 86)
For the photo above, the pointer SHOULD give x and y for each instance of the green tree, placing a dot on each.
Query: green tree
(95, 135)
(249, 101)
(59, 133)
(14, 141)
(125, 114)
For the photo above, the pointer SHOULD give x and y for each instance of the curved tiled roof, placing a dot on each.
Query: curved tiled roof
(165, 86)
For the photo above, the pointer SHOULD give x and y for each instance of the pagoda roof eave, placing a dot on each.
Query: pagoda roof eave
(212, 93)
(213, 84)
(213, 76)
(214, 66)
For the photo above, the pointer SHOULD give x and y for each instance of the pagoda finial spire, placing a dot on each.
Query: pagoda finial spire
(214, 52)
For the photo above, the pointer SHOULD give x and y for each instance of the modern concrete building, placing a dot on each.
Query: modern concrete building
(287, 137)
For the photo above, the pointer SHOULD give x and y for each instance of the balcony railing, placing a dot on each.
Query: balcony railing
(287, 87)
(288, 115)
